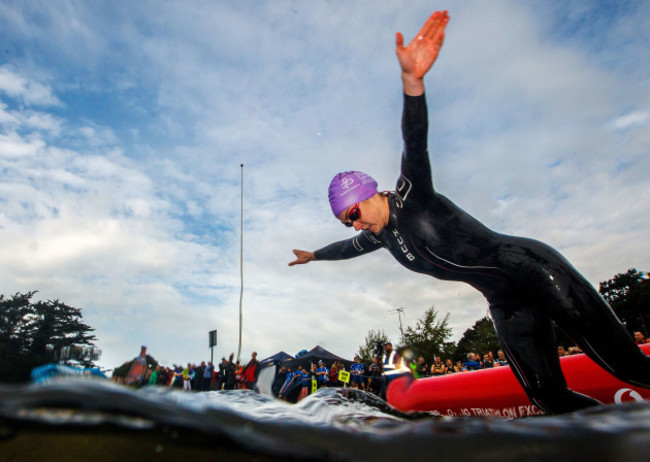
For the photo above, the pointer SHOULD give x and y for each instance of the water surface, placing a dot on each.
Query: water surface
(77, 419)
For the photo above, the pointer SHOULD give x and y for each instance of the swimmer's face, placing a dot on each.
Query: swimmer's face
(368, 215)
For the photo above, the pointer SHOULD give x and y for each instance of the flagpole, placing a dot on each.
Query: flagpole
(241, 260)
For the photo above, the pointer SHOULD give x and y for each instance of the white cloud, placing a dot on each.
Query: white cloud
(13, 146)
(632, 120)
(30, 92)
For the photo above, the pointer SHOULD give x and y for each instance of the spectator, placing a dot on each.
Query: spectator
(334, 375)
(501, 359)
(208, 373)
(438, 367)
(322, 374)
(561, 351)
(238, 371)
(220, 374)
(488, 362)
(639, 339)
(449, 365)
(188, 375)
(471, 364)
(375, 376)
(357, 371)
(391, 358)
(303, 382)
(414, 367)
(422, 368)
(230, 372)
(248, 375)
(177, 379)
(153, 378)
(197, 380)
(163, 376)
(288, 379)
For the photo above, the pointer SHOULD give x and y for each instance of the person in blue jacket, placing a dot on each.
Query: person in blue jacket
(322, 374)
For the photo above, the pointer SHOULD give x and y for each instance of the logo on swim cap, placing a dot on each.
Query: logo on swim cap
(348, 188)
(346, 183)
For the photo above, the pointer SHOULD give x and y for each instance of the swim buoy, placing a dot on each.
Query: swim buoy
(496, 392)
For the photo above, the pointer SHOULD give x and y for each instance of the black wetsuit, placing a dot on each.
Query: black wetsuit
(527, 283)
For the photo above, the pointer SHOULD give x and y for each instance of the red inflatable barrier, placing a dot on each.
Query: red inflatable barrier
(496, 392)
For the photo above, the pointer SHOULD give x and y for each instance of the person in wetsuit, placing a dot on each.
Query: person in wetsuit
(527, 284)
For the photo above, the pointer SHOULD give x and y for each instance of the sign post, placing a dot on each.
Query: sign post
(213, 342)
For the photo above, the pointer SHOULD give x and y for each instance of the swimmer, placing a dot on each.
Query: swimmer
(528, 284)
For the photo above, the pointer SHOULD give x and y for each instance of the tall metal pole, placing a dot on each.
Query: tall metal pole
(241, 260)
(400, 312)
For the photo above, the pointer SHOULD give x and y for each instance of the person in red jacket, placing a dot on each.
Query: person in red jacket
(248, 374)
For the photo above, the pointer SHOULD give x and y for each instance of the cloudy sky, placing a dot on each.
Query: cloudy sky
(123, 126)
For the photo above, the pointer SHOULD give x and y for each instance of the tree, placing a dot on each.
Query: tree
(429, 336)
(14, 333)
(481, 338)
(629, 296)
(32, 334)
(367, 351)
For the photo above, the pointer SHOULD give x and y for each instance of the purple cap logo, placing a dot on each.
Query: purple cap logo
(348, 188)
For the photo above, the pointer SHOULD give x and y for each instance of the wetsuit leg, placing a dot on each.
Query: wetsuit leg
(527, 337)
(587, 318)
(543, 275)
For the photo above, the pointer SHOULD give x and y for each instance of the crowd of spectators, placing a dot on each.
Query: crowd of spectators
(473, 362)
(294, 385)
(228, 375)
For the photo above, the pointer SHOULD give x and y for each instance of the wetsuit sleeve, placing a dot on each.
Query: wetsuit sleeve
(360, 244)
(416, 168)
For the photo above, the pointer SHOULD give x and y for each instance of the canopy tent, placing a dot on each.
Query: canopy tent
(275, 359)
(318, 353)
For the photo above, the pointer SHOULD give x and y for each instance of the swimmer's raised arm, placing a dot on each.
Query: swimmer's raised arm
(417, 58)
(415, 61)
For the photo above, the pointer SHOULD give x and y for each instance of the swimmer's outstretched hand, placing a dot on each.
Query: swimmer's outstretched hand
(302, 257)
(417, 58)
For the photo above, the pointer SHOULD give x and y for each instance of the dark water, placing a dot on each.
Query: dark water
(76, 419)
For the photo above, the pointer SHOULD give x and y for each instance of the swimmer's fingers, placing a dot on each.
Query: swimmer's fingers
(302, 257)
(434, 26)
(418, 57)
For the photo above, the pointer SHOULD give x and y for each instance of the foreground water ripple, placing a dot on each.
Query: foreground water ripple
(332, 424)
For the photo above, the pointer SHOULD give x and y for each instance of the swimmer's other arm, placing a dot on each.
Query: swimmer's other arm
(342, 250)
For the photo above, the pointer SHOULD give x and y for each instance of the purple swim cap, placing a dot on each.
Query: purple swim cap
(348, 188)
